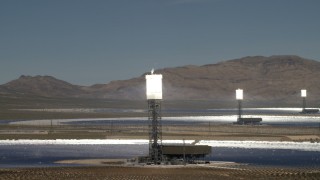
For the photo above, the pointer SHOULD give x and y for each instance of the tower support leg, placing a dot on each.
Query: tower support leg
(155, 131)
(304, 104)
(239, 111)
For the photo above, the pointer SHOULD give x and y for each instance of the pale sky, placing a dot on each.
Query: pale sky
(85, 42)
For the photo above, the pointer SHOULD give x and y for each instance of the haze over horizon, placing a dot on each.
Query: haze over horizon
(88, 42)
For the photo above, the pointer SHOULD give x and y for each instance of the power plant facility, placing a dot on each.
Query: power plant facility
(241, 120)
(159, 153)
(304, 104)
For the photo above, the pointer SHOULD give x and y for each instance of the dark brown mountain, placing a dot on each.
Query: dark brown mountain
(42, 86)
(275, 78)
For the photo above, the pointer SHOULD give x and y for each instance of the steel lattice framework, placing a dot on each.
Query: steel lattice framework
(155, 130)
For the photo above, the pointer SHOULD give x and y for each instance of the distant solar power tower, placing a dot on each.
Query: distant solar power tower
(304, 95)
(239, 97)
(154, 97)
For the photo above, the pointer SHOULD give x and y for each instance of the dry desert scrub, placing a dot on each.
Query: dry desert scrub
(176, 173)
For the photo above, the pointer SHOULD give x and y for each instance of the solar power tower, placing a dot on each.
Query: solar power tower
(304, 95)
(154, 97)
(239, 97)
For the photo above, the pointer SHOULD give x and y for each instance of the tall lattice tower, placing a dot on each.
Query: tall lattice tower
(154, 97)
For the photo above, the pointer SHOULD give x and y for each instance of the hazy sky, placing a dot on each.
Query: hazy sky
(96, 41)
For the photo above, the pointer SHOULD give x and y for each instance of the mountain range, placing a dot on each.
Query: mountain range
(274, 78)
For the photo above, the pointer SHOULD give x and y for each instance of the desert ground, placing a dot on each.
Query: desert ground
(95, 169)
(103, 170)
(202, 131)
(157, 172)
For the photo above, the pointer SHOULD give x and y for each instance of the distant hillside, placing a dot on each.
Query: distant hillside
(275, 78)
(42, 86)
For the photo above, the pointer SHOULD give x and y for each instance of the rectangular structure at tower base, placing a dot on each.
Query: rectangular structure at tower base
(309, 111)
(179, 151)
(248, 121)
